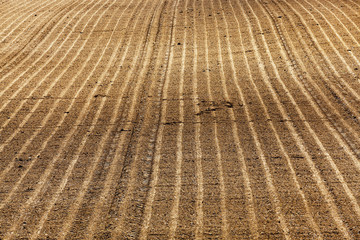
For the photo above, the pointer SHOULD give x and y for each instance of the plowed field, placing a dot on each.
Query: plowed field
(180, 119)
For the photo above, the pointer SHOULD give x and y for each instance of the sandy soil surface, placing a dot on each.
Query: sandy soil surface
(180, 119)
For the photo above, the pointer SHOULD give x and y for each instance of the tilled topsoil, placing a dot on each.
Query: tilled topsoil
(180, 119)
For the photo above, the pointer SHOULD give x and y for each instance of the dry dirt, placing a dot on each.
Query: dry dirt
(179, 119)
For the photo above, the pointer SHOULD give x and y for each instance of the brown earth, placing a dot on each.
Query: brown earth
(181, 119)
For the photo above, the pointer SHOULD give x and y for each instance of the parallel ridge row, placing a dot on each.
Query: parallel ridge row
(180, 119)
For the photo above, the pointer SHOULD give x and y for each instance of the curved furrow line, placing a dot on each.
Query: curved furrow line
(355, 3)
(50, 113)
(327, 38)
(344, 103)
(174, 215)
(38, 33)
(85, 186)
(335, 30)
(349, 11)
(345, 15)
(17, 8)
(37, 38)
(344, 132)
(349, 130)
(10, 5)
(336, 131)
(12, 80)
(281, 145)
(199, 228)
(46, 53)
(349, 143)
(158, 133)
(135, 157)
(43, 80)
(318, 47)
(323, 53)
(224, 221)
(299, 141)
(320, 113)
(7, 4)
(25, 19)
(350, 8)
(249, 194)
(48, 171)
(154, 89)
(16, 11)
(26, 80)
(309, 217)
(317, 175)
(255, 136)
(318, 110)
(47, 117)
(123, 154)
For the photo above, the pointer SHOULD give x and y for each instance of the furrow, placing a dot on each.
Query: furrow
(46, 172)
(349, 8)
(348, 130)
(355, 3)
(20, 84)
(353, 37)
(179, 143)
(341, 134)
(326, 56)
(348, 48)
(182, 119)
(11, 28)
(48, 54)
(309, 217)
(269, 177)
(199, 229)
(28, 142)
(40, 82)
(252, 218)
(334, 30)
(8, 140)
(54, 104)
(32, 38)
(298, 188)
(283, 111)
(322, 187)
(337, 132)
(224, 220)
(16, 11)
(120, 147)
(74, 208)
(132, 194)
(160, 129)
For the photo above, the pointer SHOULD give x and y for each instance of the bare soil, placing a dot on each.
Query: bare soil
(180, 119)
